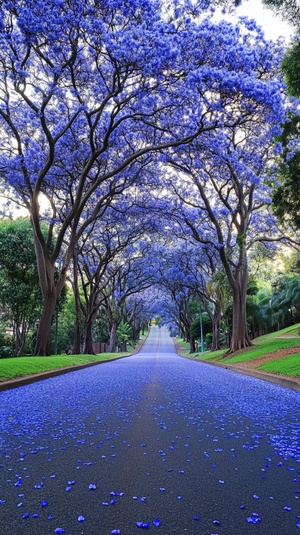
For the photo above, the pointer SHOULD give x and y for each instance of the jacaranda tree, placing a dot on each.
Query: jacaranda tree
(91, 90)
(220, 178)
(87, 89)
(105, 242)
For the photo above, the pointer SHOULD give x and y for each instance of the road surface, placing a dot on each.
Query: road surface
(152, 442)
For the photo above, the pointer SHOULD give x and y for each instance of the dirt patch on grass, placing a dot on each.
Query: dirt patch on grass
(279, 354)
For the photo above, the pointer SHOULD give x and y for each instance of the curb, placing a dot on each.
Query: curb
(28, 379)
(286, 382)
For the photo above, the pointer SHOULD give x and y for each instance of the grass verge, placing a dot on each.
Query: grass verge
(263, 346)
(289, 365)
(12, 368)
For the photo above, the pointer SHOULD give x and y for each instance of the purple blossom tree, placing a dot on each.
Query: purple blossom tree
(127, 276)
(87, 91)
(91, 91)
(221, 181)
(111, 238)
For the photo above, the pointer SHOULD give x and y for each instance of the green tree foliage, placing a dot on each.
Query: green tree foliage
(287, 9)
(101, 327)
(206, 325)
(124, 335)
(286, 196)
(291, 69)
(63, 322)
(20, 296)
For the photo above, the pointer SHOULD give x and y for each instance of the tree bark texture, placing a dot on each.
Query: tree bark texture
(113, 338)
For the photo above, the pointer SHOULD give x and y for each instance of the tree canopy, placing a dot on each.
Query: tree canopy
(134, 107)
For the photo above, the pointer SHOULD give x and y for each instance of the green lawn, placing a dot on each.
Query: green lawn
(288, 331)
(261, 348)
(263, 345)
(17, 367)
(287, 365)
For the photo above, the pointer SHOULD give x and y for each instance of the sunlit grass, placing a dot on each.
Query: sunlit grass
(287, 365)
(17, 367)
(288, 331)
(262, 346)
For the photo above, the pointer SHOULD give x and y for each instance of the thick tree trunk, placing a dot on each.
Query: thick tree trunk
(113, 338)
(239, 336)
(192, 346)
(42, 346)
(88, 338)
(49, 287)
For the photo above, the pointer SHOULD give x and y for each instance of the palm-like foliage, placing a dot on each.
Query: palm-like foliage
(282, 308)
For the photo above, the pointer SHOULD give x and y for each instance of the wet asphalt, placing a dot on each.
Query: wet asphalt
(151, 443)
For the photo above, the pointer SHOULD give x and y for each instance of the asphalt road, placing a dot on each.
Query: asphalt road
(152, 442)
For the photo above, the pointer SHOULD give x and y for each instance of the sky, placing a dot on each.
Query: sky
(273, 26)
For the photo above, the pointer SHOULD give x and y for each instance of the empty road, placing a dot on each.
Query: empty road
(151, 442)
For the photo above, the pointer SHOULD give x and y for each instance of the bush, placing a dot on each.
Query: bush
(6, 345)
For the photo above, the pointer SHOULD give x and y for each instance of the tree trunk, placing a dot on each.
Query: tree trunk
(21, 339)
(88, 338)
(192, 346)
(77, 332)
(49, 287)
(239, 336)
(215, 343)
(113, 338)
(42, 346)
